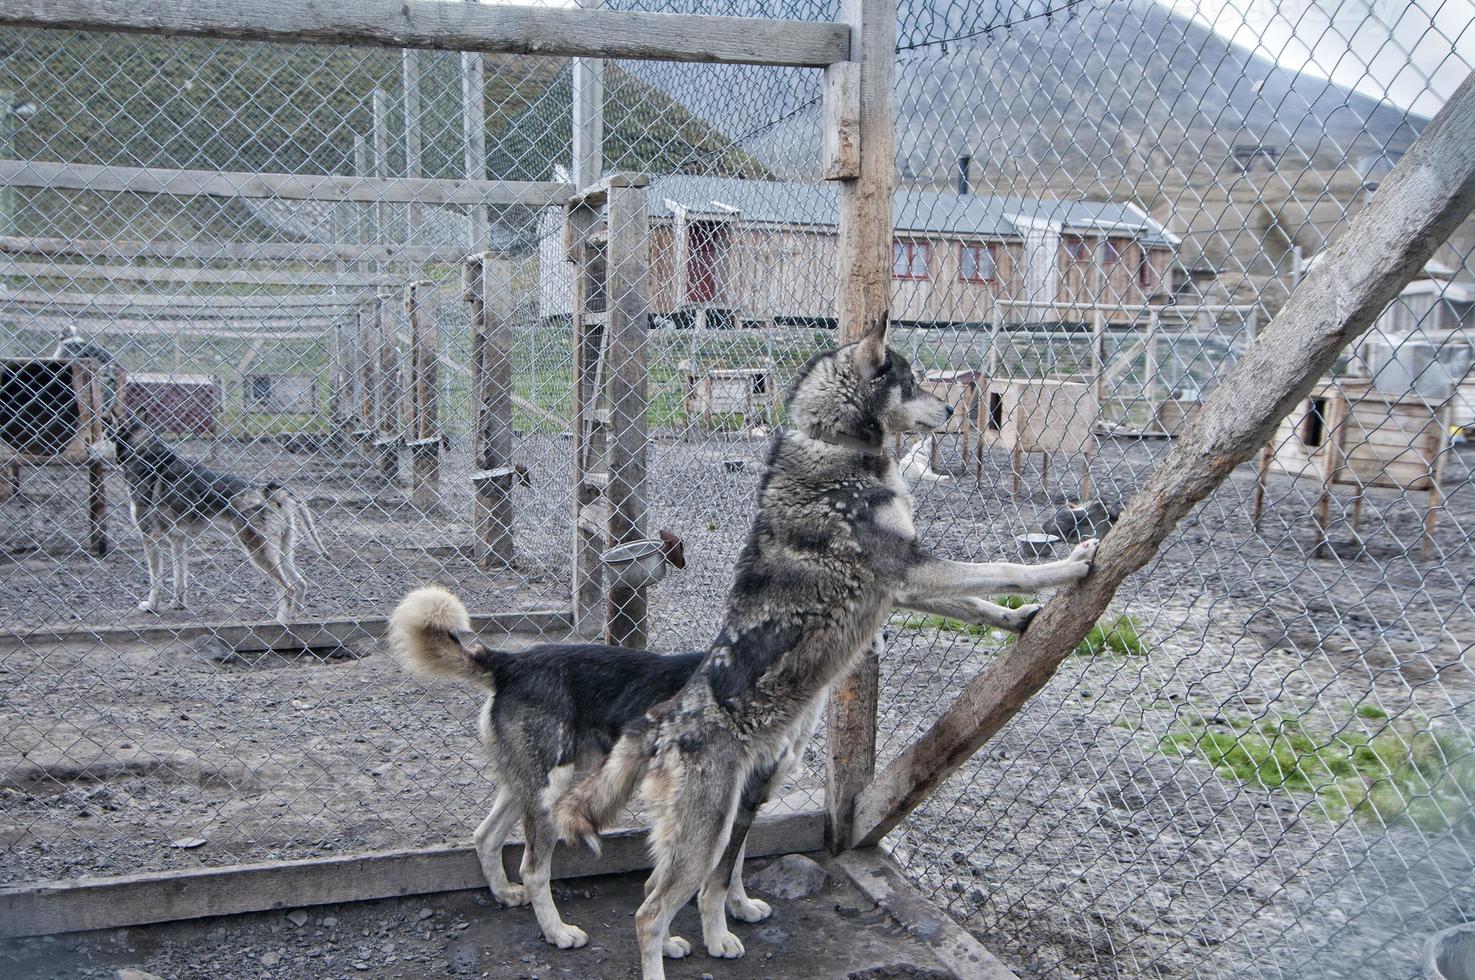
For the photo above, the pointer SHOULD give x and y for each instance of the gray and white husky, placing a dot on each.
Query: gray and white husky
(831, 552)
(174, 499)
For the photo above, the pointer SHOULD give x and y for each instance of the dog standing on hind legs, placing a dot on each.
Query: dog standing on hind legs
(831, 551)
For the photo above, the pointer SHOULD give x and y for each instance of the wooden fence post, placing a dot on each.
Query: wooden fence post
(1425, 197)
(388, 435)
(590, 519)
(425, 436)
(366, 356)
(627, 263)
(485, 289)
(864, 302)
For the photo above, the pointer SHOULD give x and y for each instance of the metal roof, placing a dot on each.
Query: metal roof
(981, 215)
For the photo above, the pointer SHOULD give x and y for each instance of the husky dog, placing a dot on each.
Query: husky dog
(832, 550)
(916, 465)
(172, 497)
(551, 711)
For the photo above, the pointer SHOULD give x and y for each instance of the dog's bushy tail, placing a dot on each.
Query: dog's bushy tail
(297, 512)
(430, 633)
(585, 810)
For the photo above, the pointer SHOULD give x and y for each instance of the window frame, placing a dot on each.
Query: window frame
(911, 247)
(1077, 249)
(982, 248)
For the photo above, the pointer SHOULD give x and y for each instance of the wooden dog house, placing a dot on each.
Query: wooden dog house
(51, 410)
(1347, 433)
(1038, 415)
(180, 404)
(748, 392)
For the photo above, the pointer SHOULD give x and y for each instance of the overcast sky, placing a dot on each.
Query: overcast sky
(1414, 53)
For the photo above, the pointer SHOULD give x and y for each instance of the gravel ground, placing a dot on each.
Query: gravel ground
(1072, 845)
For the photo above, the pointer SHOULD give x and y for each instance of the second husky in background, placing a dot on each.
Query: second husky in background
(174, 499)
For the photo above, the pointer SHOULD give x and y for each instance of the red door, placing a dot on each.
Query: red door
(701, 265)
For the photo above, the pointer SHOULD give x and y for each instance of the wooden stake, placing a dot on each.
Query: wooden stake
(1429, 192)
(864, 302)
(425, 432)
(491, 384)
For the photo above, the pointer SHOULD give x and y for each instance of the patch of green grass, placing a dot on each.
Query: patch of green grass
(1400, 775)
(1371, 712)
(1121, 636)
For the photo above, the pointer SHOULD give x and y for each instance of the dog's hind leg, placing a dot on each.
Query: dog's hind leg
(695, 822)
(724, 889)
(488, 839)
(537, 861)
(263, 556)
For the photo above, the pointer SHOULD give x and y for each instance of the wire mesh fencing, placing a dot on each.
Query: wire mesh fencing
(1258, 764)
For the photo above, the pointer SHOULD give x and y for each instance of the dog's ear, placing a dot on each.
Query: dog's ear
(468, 642)
(870, 353)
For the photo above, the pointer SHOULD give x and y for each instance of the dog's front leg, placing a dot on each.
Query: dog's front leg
(940, 578)
(179, 560)
(153, 556)
(971, 610)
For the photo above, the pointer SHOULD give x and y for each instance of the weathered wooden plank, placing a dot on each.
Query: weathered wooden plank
(627, 288)
(270, 635)
(864, 303)
(102, 322)
(487, 290)
(49, 908)
(282, 187)
(389, 422)
(1424, 198)
(588, 116)
(883, 883)
(492, 29)
(840, 152)
(99, 248)
(159, 274)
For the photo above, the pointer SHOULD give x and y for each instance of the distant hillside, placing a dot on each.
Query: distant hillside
(132, 100)
(1100, 90)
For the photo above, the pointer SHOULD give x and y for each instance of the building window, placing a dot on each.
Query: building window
(909, 259)
(1110, 252)
(1145, 271)
(976, 263)
(1077, 250)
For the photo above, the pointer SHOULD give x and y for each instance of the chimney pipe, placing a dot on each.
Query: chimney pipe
(965, 176)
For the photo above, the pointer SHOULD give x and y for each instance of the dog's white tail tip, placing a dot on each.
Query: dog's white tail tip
(591, 841)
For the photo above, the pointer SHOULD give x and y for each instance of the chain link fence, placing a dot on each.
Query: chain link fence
(1260, 763)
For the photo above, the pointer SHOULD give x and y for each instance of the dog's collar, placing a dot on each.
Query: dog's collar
(844, 441)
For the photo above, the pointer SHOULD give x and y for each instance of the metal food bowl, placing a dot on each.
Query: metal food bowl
(1037, 544)
(643, 562)
(1451, 954)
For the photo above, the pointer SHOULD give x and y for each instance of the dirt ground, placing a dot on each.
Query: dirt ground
(835, 933)
(1073, 845)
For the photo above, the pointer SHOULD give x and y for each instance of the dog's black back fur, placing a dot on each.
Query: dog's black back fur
(584, 690)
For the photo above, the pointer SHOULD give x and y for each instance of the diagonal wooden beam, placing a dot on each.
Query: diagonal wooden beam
(1429, 192)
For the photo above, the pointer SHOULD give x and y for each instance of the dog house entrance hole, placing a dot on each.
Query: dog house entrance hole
(1313, 430)
(995, 411)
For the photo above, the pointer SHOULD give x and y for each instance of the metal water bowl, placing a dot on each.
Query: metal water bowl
(1451, 954)
(644, 562)
(1037, 544)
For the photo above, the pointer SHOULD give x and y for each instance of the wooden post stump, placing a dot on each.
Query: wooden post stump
(425, 435)
(485, 289)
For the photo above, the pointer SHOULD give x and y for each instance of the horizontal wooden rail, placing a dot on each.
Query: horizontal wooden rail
(207, 306)
(274, 328)
(48, 908)
(493, 28)
(182, 276)
(280, 187)
(1426, 196)
(206, 251)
